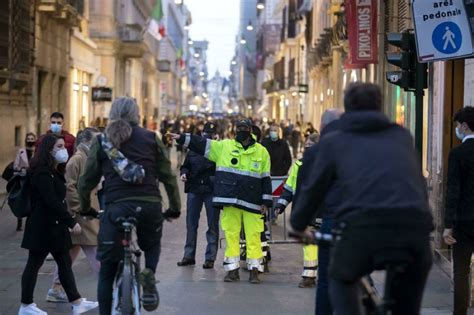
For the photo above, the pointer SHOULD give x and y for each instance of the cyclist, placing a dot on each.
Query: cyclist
(384, 207)
(132, 160)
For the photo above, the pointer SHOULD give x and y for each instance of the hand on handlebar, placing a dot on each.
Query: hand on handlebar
(307, 236)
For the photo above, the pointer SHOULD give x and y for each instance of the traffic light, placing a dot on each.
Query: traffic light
(405, 59)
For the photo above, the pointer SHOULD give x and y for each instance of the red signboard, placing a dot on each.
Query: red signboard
(361, 16)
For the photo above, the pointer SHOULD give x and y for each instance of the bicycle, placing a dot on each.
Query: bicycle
(393, 261)
(126, 296)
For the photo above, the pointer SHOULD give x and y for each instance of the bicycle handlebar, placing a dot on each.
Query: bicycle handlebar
(317, 238)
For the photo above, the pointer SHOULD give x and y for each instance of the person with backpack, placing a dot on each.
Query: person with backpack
(48, 227)
(22, 163)
(132, 160)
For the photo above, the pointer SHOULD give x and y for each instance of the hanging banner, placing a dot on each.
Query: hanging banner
(361, 17)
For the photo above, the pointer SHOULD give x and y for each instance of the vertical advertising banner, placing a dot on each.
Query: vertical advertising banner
(361, 17)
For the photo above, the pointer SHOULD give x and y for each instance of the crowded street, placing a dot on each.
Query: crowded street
(193, 290)
(236, 157)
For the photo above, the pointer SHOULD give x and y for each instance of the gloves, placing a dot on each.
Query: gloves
(171, 214)
(91, 213)
(279, 209)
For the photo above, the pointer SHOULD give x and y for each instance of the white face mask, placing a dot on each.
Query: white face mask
(61, 156)
(459, 134)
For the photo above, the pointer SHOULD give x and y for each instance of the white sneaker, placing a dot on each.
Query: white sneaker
(58, 296)
(30, 309)
(83, 307)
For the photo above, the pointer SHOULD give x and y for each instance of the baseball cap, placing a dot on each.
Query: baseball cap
(209, 127)
(244, 123)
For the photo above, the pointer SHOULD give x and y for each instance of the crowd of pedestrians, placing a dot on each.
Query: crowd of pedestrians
(360, 176)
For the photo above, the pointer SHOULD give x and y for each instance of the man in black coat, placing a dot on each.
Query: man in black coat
(459, 216)
(329, 124)
(198, 174)
(383, 205)
(279, 151)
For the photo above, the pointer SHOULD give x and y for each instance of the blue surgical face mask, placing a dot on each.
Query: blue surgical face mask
(274, 135)
(459, 134)
(56, 128)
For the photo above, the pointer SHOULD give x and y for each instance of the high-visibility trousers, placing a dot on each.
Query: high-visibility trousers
(310, 264)
(231, 222)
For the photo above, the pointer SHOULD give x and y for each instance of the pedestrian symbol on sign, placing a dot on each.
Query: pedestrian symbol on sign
(447, 38)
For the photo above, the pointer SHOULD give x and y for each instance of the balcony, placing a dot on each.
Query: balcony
(131, 37)
(67, 11)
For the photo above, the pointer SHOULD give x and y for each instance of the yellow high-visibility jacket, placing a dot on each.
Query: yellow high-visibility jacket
(242, 176)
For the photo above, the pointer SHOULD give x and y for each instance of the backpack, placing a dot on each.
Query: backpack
(19, 195)
(8, 172)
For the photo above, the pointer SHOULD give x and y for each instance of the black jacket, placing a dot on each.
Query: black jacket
(47, 226)
(280, 156)
(375, 163)
(200, 174)
(460, 188)
(329, 207)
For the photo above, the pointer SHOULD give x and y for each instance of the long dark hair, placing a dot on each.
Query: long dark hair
(43, 156)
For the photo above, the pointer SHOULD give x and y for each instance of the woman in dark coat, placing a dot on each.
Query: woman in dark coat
(48, 227)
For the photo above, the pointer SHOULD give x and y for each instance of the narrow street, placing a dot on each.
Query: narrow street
(193, 290)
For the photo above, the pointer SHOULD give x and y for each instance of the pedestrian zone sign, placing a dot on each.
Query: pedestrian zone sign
(442, 30)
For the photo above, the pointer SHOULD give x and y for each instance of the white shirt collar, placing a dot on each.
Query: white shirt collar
(467, 137)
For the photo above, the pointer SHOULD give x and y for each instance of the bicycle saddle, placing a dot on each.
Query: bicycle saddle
(131, 220)
(392, 257)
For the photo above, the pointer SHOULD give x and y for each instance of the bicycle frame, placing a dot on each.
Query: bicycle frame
(127, 275)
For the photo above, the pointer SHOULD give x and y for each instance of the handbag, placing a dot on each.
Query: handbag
(19, 195)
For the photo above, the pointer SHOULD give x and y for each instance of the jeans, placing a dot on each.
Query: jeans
(462, 252)
(194, 206)
(110, 251)
(323, 304)
(30, 274)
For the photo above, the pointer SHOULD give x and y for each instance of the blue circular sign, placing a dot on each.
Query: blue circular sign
(447, 38)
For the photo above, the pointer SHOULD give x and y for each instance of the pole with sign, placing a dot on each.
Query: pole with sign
(442, 30)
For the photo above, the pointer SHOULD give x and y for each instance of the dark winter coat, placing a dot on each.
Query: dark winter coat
(460, 189)
(200, 174)
(376, 165)
(329, 207)
(280, 156)
(47, 227)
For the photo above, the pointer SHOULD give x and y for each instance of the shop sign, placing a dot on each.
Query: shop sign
(442, 29)
(361, 16)
(101, 94)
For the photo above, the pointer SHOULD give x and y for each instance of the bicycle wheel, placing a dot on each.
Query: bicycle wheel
(127, 288)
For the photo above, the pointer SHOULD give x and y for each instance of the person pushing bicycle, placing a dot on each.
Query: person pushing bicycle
(132, 160)
(383, 214)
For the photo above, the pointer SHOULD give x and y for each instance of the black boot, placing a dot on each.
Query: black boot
(186, 262)
(232, 276)
(307, 282)
(208, 264)
(253, 278)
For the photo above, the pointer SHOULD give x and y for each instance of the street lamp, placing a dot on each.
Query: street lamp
(234, 62)
(186, 27)
(250, 26)
(196, 55)
(260, 5)
(190, 42)
(243, 41)
(178, 2)
(201, 73)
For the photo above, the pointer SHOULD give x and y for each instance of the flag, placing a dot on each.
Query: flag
(156, 26)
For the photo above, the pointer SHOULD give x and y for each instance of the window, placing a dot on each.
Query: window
(18, 137)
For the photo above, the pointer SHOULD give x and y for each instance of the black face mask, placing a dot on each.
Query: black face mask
(30, 144)
(242, 135)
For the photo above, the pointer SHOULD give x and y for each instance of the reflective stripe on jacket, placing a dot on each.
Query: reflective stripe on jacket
(290, 185)
(242, 176)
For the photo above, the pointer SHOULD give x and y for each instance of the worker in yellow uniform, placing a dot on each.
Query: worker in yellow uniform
(242, 188)
(310, 252)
